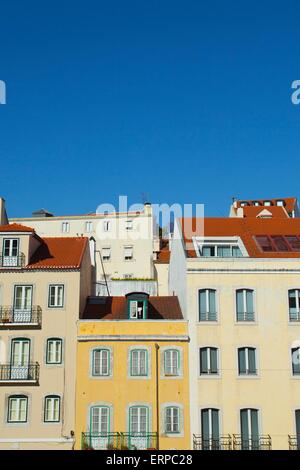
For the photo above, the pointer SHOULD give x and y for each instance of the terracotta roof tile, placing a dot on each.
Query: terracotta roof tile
(115, 308)
(15, 228)
(246, 228)
(59, 253)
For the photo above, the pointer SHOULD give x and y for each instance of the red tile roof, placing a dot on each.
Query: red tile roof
(163, 256)
(255, 211)
(247, 229)
(16, 228)
(59, 253)
(115, 308)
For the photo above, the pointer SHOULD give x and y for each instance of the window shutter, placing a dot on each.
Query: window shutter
(251, 360)
(213, 360)
(203, 361)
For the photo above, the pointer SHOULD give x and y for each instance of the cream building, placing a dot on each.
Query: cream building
(123, 246)
(238, 282)
(44, 283)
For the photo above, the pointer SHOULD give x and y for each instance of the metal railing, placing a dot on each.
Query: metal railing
(12, 373)
(294, 442)
(245, 316)
(12, 261)
(118, 441)
(259, 443)
(220, 443)
(25, 316)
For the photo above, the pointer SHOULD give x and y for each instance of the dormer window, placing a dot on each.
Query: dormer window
(244, 203)
(280, 203)
(219, 250)
(267, 203)
(256, 203)
(137, 306)
(10, 252)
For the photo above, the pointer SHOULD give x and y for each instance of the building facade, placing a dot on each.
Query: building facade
(237, 280)
(123, 245)
(132, 379)
(44, 283)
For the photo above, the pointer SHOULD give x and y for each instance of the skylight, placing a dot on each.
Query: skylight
(281, 243)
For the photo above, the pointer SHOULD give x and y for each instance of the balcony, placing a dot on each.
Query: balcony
(12, 317)
(11, 375)
(119, 441)
(221, 443)
(260, 443)
(294, 442)
(9, 262)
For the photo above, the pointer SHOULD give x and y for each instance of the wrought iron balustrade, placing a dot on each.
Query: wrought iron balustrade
(220, 443)
(12, 261)
(16, 373)
(259, 443)
(25, 316)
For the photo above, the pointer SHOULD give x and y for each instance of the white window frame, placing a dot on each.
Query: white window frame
(101, 351)
(106, 225)
(55, 341)
(200, 242)
(52, 399)
(89, 226)
(129, 224)
(18, 400)
(56, 296)
(104, 256)
(65, 227)
(172, 429)
(126, 249)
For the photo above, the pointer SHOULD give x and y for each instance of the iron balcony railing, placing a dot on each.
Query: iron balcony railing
(15, 373)
(259, 443)
(294, 442)
(245, 316)
(12, 261)
(220, 443)
(25, 316)
(118, 441)
(100, 441)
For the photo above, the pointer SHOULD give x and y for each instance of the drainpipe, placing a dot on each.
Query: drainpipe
(103, 270)
(157, 393)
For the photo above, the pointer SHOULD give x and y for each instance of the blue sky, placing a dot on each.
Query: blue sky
(172, 101)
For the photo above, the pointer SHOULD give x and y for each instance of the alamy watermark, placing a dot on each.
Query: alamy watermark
(163, 217)
(2, 92)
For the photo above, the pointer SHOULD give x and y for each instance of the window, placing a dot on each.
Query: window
(137, 309)
(54, 351)
(296, 361)
(208, 361)
(20, 357)
(22, 304)
(56, 296)
(106, 226)
(128, 253)
(128, 225)
(210, 429)
(17, 409)
(244, 305)
(101, 362)
(105, 254)
(171, 362)
(10, 252)
(65, 227)
(249, 429)
(100, 419)
(281, 243)
(256, 203)
(172, 420)
(128, 276)
(247, 361)
(244, 203)
(138, 363)
(207, 305)
(220, 251)
(268, 203)
(139, 428)
(280, 202)
(52, 409)
(89, 227)
(294, 305)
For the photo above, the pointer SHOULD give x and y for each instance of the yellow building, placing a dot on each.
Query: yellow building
(238, 282)
(44, 283)
(132, 374)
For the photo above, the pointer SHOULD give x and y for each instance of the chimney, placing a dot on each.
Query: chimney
(3, 215)
(147, 208)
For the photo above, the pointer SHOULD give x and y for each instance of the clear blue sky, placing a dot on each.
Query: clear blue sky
(183, 101)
